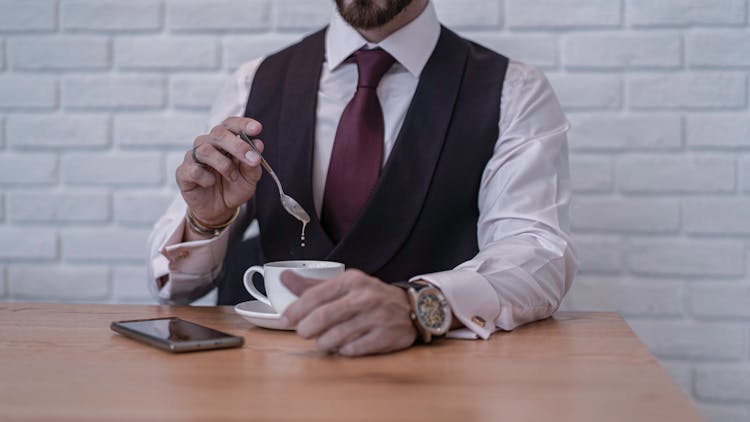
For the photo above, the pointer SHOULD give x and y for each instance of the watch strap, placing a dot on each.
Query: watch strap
(406, 285)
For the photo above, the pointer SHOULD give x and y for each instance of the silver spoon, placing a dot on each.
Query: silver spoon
(290, 205)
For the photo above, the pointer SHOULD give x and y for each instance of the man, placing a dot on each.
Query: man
(421, 157)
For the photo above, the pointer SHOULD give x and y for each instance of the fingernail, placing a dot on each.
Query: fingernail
(251, 127)
(235, 175)
(253, 158)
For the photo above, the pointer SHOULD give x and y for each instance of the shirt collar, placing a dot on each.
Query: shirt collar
(411, 45)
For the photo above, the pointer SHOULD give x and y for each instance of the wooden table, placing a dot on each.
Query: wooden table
(62, 362)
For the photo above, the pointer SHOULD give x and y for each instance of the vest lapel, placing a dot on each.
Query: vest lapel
(297, 138)
(396, 202)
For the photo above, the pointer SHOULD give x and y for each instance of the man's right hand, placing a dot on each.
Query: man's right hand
(226, 172)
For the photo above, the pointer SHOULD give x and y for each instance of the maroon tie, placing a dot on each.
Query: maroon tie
(357, 149)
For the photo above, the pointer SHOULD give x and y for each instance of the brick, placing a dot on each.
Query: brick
(724, 412)
(63, 52)
(726, 216)
(241, 49)
(599, 255)
(537, 50)
(681, 174)
(143, 207)
(104, 244)
(685, 12)
(176, 131)
(718, 48)
(58, 131)
(28, 243)
(694, 90)
(588, 91)
(27, 92)
(59, 282)
(309, 14)
(119, 92)
(591, 173)
(718, 131)
(173, 161)
(195, 92)
(600, 131)
(617, 214)
(28, 169)
(622, 51)
(130, 284)
(474, 14)
(629, 297)
(533, 14)
(28, 15)
(691, 340)
(681, 374)
(722, 383)
(173, 53)
(218, 15)
(68, 206)
(720, 300)
(111, 15)
(685, 257)
(745, 173)
(112, 169)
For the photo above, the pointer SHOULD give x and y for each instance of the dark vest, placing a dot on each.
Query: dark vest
(422, 215)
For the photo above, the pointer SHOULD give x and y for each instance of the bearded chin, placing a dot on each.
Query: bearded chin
(365, 14)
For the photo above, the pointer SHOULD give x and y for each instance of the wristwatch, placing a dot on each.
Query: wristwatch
(430, 312)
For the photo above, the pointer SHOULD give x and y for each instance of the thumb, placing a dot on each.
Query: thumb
(296, 283)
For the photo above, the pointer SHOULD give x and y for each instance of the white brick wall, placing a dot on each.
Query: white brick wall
(59, 52)
(100, 98)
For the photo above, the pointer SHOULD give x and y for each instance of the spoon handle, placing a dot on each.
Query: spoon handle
(263, 161)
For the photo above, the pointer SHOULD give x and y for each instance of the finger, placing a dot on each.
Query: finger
(345, 332)
(238, 124)
(352, 303)
(313, 297)
(213, 158)
(326, 316)
(251, 160)
(259, 144)
(374, 342)
(189, 175)
(296, 283)
(224, 140)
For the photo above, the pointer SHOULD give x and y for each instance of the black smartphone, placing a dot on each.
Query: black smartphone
(176, 335)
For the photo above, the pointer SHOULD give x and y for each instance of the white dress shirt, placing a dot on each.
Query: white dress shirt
(525, 263)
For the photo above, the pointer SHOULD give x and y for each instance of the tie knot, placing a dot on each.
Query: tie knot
(372, 65)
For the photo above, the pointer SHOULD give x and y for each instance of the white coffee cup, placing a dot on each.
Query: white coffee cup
(278, 296)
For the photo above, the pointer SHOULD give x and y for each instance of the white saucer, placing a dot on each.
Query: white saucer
(261, 315)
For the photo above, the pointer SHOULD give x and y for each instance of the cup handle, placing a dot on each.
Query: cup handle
(247, 279)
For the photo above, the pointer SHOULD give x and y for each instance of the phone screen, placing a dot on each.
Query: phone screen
(176, 334)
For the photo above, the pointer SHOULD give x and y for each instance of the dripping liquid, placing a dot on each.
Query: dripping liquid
(302, 236)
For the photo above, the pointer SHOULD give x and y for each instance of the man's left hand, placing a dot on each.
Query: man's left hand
(353, 314)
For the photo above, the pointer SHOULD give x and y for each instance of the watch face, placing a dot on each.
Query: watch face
(431, 311)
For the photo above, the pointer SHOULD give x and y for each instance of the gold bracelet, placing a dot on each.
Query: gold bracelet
(207, 230)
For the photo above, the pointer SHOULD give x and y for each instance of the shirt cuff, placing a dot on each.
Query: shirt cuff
(473, 301)
(191, 266)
